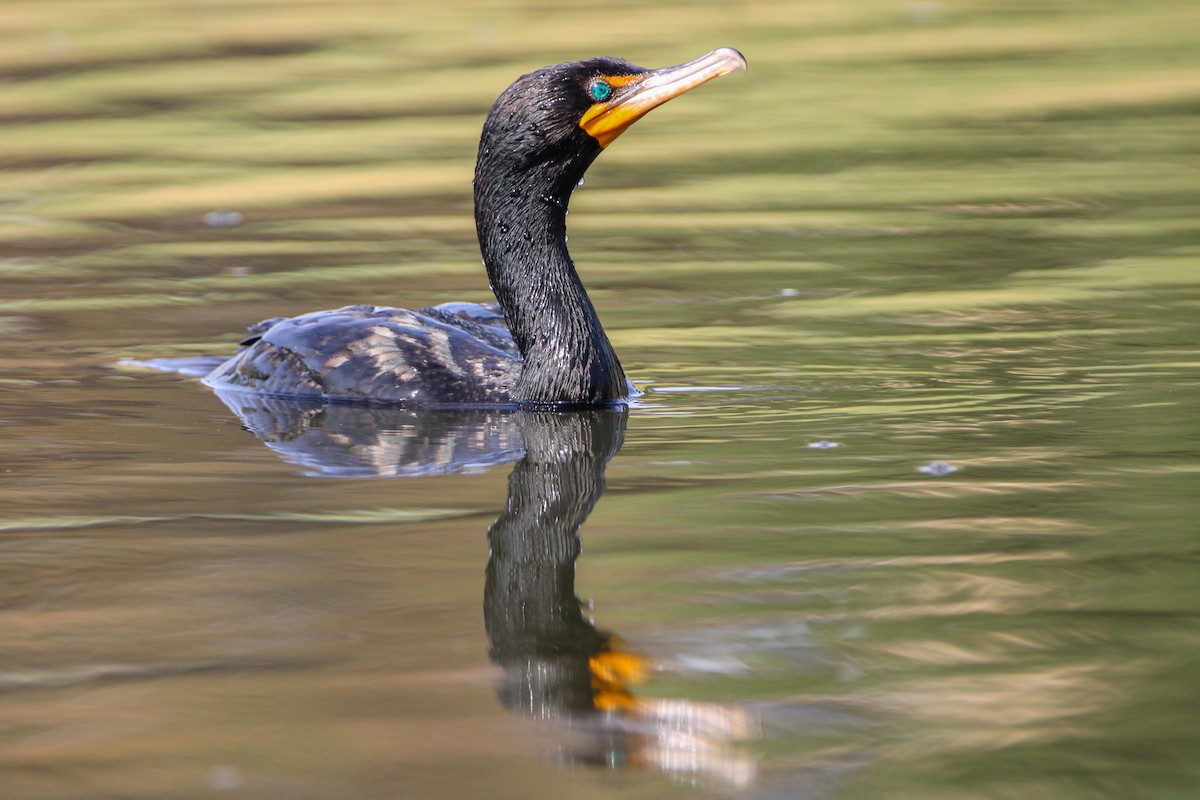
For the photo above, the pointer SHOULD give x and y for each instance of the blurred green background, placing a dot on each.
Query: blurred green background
(921, 230)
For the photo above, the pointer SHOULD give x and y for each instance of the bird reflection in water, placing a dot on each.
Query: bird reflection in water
(558, 668)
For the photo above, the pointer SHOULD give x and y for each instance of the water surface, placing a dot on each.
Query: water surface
(913, 233)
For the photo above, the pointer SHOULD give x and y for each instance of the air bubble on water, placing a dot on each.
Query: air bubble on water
(223, 218)
(925, 12)
(58, 43)
(223, 778)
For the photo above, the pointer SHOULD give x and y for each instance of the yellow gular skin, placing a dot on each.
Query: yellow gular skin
(634, 95)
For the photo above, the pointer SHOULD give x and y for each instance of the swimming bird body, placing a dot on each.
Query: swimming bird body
(543, 344)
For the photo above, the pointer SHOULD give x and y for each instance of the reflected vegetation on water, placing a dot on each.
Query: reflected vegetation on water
(907, 508)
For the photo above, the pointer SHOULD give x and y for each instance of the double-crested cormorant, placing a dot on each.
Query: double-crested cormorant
(544, 345)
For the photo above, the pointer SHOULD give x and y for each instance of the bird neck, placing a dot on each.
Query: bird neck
(520, 217)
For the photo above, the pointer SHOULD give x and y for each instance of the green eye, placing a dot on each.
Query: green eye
(599, 91)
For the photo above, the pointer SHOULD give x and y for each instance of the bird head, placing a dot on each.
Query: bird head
(567, 113)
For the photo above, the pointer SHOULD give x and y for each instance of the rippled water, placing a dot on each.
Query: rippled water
(907, 509)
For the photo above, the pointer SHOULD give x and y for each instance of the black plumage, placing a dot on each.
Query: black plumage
(544, 344)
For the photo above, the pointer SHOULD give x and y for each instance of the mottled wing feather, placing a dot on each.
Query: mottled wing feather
(428, 357)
